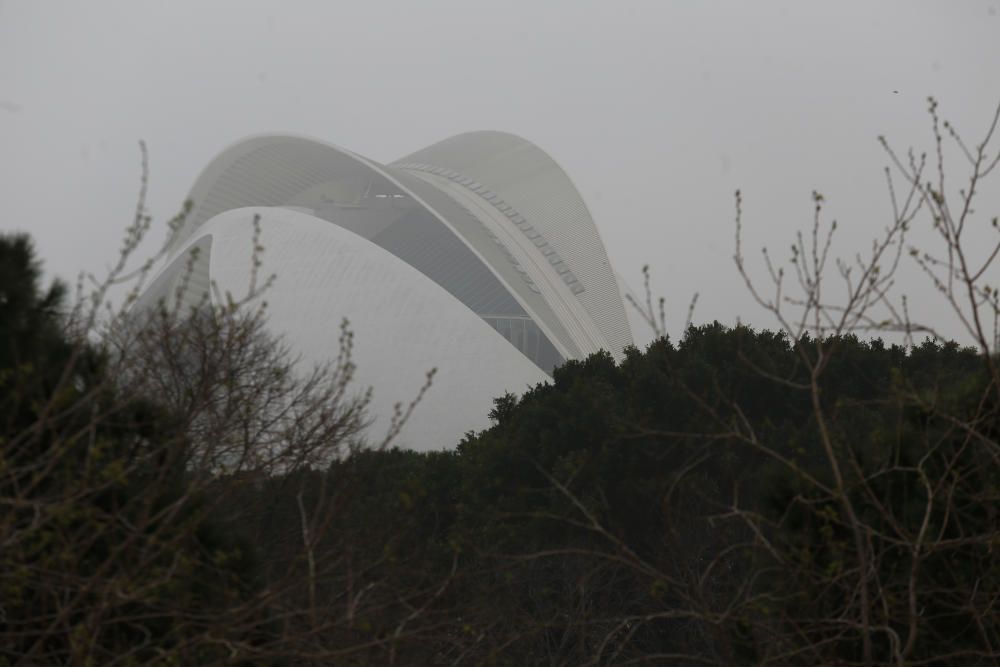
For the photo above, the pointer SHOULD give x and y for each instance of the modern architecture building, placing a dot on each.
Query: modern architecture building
(476, 256)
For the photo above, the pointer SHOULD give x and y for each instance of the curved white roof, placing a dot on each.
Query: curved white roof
(487, 220)
(508, 202)
(524, 177)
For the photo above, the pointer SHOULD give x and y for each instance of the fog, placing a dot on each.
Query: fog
(657, 110)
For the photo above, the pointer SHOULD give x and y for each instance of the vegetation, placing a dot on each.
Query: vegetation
(618, 515)
(175, 491)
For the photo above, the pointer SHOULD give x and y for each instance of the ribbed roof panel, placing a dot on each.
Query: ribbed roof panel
(564, 283)
(526, 178)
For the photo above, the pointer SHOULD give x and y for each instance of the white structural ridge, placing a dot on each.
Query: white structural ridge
(475, 255)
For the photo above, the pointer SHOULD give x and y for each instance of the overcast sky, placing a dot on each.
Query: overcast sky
(657, 110)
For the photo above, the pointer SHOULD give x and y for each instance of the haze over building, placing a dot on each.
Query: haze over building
(476, 256)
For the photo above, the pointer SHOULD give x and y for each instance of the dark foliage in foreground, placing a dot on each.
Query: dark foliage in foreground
(679, 507)
(100, 546)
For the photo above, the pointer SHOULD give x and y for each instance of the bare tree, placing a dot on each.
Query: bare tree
(891, 601)
(879, 544)
(902, 568)
(171, 493)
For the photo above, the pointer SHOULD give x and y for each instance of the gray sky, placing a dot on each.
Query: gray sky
(657, 110)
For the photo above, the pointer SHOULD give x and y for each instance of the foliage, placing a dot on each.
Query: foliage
(101, 546)
(623, 512)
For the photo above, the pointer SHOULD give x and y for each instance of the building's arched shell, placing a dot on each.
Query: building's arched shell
(488, 223)
(527, 179)
(508, 201)
(300, 173)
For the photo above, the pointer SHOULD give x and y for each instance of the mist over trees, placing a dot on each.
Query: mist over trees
(175, 491)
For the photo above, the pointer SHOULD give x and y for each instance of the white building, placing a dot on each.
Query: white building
(475, 256)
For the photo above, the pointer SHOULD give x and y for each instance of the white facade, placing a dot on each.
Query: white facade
(475, 256)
